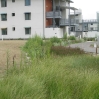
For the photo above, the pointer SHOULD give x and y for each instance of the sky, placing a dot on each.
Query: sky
(89, 7)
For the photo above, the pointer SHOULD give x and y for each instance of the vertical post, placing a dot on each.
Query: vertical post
(59, 13)
(74, 17)
(53, 14)
(96, 49)
(69, 18)
(2, 37)
(44, 19)
(82, 26)
(74, 20)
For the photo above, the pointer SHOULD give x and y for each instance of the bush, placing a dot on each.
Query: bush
(36, 48)
(65, 36)
(60, 50)
(55, 40)
(72, 38)
(91, 39)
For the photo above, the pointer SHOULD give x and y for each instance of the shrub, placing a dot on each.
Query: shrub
(91, 39)
(35, 47)
(55, 40)
(60, 50)
(65, 36)
(72, 38)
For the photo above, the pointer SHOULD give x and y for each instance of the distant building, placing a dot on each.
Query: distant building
(85, 28)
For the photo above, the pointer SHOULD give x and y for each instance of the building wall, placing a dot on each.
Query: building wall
(56, 32)
(91, 34)
(18, 21)
(94, 25)
(49, 7)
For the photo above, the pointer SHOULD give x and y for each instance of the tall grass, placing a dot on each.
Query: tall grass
(36, 48)
(54, 77)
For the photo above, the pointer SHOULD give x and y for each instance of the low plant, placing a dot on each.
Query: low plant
(61, 50)
(71, 38)
(55, 40)
(65, 36)
(36, 48)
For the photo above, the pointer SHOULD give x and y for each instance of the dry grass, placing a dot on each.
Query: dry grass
(13, 48)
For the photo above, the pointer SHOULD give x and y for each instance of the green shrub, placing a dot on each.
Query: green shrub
(71, 38)
(91, 39)
(35, 47)
(55, 40)
(65, 36)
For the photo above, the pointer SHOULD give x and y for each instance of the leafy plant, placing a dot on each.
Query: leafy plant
(71, 38)
(55, 40)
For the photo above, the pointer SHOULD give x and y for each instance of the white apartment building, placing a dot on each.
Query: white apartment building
(25, 18)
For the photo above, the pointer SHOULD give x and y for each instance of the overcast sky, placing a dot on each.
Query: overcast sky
(89, 7)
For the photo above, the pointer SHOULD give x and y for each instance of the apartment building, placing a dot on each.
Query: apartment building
(25, 18)
(84, 28)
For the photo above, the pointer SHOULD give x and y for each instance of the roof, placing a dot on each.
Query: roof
(70, 1)
(66, 7)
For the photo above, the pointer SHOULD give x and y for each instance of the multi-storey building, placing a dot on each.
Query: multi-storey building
(85, 28)
(25, 18)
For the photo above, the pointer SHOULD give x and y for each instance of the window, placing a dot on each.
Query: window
(76, 15)
(28, 30)
(3, 3)
(27, 2)
(13, 0)
(4, 31)
(91, 29)
(27, 16)
(72, 28)
(91, 23)
(3, 17)
(13, 14)
(13, 28)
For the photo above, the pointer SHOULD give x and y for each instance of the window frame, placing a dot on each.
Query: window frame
(3, 3)
(4, 30)
(13, 14)
(28, 16)
(13, 28)
(27, 2)
(27, 30)
(3, 15)
(13, 1)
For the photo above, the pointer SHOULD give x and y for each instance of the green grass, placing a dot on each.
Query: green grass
(51, 76)
(72, 77)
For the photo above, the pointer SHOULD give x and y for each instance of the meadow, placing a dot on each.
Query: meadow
(49, 75)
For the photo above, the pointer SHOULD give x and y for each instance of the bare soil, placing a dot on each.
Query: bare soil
(10, 49)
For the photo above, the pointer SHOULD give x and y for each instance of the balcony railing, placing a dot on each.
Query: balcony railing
(86, 29)
(67, 22)
(51, 14)
(90, 21)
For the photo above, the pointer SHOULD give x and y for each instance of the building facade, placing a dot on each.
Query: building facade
(25, 18)
(84, 28)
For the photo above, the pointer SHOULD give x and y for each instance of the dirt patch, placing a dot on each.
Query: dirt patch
(12, 47)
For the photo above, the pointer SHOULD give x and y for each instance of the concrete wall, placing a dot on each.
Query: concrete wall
(18, 21)
(56, 32)
(91, 34)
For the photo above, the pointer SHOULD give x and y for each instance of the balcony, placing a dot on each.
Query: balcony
(90, 21)
(51, 14)
(67, 22)
(86, 29)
